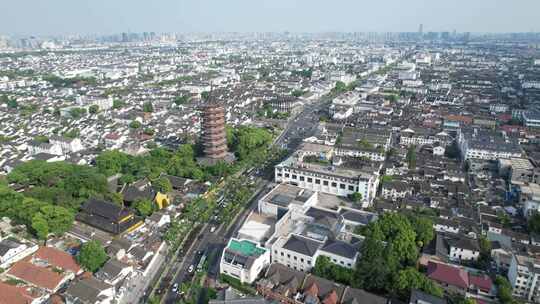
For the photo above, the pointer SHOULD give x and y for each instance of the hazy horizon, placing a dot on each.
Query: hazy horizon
(60, 17)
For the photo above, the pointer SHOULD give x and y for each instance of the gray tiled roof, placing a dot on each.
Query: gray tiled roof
(302, 245)
(340, 248)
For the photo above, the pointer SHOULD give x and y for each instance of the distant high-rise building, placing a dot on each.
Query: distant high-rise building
(421, 30)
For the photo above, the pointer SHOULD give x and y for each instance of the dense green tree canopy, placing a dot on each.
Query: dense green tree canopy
(410, 278)
(148, 107)
(411, 157)
(59, 183)
(93, 109)
(162, 185)
(326, 269)
(40, 217)
(144, 207)
(389, 251)
(92, 256)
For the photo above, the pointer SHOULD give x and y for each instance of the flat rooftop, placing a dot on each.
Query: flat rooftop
(338, 171)
(246, 248)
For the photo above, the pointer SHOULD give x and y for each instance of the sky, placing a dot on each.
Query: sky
(59, 17)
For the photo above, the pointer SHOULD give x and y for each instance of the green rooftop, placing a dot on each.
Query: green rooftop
(246, 248)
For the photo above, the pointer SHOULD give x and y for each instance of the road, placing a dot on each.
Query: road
(210, 244)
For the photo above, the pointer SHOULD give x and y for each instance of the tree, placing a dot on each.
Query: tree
(297, 93)
(40, 226)
(162, 185)
(59, 219)
(423, 227)
(393, 98)
(180, 100)
(533, 224)
(410, 278)
(148, 107)
(77, 113)
(112, 162)
(149, 131)
(144, 207)
(59, 183)
(92, 256)
(41, 139)
(373, 272)
(118, 104)
(73, 133)
(93, 109)
(205, 95)
(326, 269)
(12, 104)
(484, 260)
(389, 246)
(504, 290)
(355, 197)
(411, 157)
(135, 124)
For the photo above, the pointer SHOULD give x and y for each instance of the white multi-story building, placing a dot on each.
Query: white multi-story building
(396, 190)
(68, 145)
(499, 108)
(524, 276)
(531, 84)
(244, 260)
(531, 119)
(296, 252)
(420, 137)
(339, 253)
(332, 178)
(41, 147)
(487, 145)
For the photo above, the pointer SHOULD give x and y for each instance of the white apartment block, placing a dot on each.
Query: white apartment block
(68, 145)
(487, 145)
(531, 119)
(524, 274)
(328, 179)
(49, 148)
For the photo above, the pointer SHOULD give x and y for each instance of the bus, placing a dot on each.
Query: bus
(200, 266)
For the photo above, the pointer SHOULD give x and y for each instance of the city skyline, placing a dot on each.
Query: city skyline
(101, 17)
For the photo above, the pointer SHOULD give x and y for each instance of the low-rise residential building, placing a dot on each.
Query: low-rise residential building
(244, 260)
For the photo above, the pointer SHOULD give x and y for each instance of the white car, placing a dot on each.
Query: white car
(191, 268)
(212, 229)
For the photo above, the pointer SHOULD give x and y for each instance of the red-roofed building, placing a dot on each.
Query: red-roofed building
(10, 294)
(38, 276)
(56, 258)
(465, 120)
(448, 275)
(481, 282)
(331, 298)
(458, 279)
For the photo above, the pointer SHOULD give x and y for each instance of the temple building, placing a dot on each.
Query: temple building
(108, 217)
